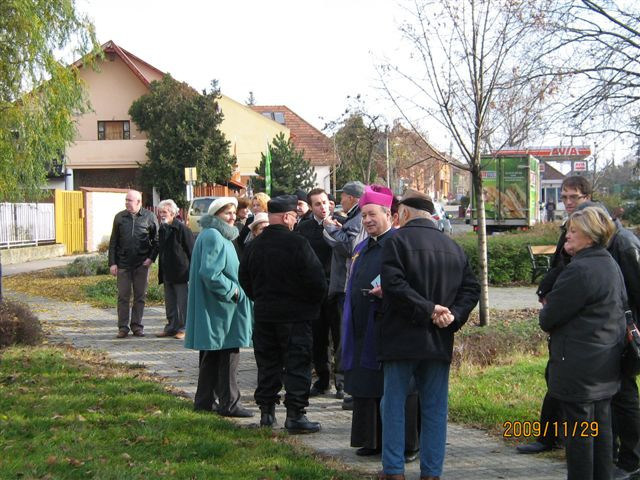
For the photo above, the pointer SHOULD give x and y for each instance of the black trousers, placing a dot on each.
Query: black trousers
(589, 457)
(218, 375)
(326, 340)
(550, 414)
(366, 423)
(625, 413)
(283, 356)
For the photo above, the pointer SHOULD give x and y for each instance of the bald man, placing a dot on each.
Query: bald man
(133, 247)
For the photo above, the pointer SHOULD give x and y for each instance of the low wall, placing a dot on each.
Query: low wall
(27, 254)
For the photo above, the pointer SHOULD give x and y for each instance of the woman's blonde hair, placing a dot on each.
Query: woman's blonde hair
(595, 223)
(262, 199)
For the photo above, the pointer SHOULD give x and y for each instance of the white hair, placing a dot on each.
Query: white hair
(170, 204)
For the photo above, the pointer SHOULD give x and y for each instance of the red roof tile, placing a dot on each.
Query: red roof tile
(318, 148)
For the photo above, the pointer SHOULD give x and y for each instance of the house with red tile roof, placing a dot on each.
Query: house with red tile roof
(109, 148)
(318, 148)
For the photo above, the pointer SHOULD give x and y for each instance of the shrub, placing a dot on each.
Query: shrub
(86, 266)
(507, 253)
(103, 246)
(18, 324)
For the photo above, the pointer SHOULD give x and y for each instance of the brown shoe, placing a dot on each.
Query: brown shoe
(164, 334)
(122, 334)
(138, 333)
(429, 477)
(179, 335)
(390, 476)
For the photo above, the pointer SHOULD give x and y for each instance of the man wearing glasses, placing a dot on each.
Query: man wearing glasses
(280, 272)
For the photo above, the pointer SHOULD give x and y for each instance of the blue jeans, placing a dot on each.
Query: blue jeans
(432, 382)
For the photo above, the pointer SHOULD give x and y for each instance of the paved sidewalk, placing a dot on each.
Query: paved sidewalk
(471, 453)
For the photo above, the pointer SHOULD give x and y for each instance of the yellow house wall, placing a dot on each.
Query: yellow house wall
(249, 131)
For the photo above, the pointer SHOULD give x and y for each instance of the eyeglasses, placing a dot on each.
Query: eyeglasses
(573, 198)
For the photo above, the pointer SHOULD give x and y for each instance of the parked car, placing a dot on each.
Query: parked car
(442, 219)
(197, 208)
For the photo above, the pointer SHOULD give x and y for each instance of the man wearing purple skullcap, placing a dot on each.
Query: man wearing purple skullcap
(363, 373)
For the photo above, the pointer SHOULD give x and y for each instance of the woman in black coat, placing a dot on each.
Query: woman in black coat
(175, 247)
(584, 315)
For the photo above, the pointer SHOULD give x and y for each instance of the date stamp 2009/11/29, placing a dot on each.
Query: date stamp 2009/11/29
(515, 429)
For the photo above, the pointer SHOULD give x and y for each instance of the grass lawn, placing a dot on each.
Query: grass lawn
(96, 290)
(67, 414)
(486, 397)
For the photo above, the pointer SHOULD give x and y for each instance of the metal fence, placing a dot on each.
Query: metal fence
(26, 224)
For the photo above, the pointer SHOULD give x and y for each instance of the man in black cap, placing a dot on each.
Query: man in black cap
(303, 210)
(428, 291)
(283, 276)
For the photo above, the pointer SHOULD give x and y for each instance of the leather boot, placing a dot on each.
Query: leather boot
(268, 416)
(390, 476)
(297, 422)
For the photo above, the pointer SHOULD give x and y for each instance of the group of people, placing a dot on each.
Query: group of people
(372, 297)
(594, 280)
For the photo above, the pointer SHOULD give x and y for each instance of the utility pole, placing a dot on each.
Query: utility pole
(387, 151)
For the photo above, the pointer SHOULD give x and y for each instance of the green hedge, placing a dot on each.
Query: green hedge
(507, 252)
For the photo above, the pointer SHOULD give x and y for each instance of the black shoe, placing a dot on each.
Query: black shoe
(347, 403)
(339, 392)
(138, 333)
(367, 452)
(411, 455)
(300, 424)
(534, 447)
(238, 412)
(622, 474)
(268, 416)
(316, 390)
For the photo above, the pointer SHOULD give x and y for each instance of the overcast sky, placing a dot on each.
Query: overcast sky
(306, 55)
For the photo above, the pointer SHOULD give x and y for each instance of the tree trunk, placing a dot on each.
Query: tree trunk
(482, 246)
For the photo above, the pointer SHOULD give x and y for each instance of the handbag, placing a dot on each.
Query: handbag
(631, 353)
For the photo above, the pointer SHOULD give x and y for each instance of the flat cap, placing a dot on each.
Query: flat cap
(354, 188)
(418, 200)
(282, 203)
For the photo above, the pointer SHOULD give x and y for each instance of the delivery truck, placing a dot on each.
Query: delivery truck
(511, 189)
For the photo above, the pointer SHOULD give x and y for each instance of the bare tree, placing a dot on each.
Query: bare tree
(468, 56)
(596, 47)
(359, 138)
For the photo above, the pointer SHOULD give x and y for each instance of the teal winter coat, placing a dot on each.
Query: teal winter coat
(214, 320)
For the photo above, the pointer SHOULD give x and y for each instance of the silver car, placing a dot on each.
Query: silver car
(442, 219)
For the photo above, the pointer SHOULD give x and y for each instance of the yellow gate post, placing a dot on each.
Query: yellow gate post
(69, 208)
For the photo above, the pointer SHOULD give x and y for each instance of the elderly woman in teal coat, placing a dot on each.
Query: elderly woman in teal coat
(219, 314)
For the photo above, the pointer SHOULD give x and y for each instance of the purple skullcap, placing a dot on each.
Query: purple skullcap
(376, 194)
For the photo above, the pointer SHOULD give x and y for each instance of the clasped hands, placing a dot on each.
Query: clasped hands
(442, 316)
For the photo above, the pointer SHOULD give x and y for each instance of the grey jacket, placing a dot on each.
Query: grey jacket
(343, 240)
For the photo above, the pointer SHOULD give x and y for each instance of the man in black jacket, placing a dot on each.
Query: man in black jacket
(286, 282)
(326, 328)
(133, 247)
(428, 291)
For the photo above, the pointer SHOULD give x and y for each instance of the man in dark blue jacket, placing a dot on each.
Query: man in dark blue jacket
(133, 247)
(429, 291)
